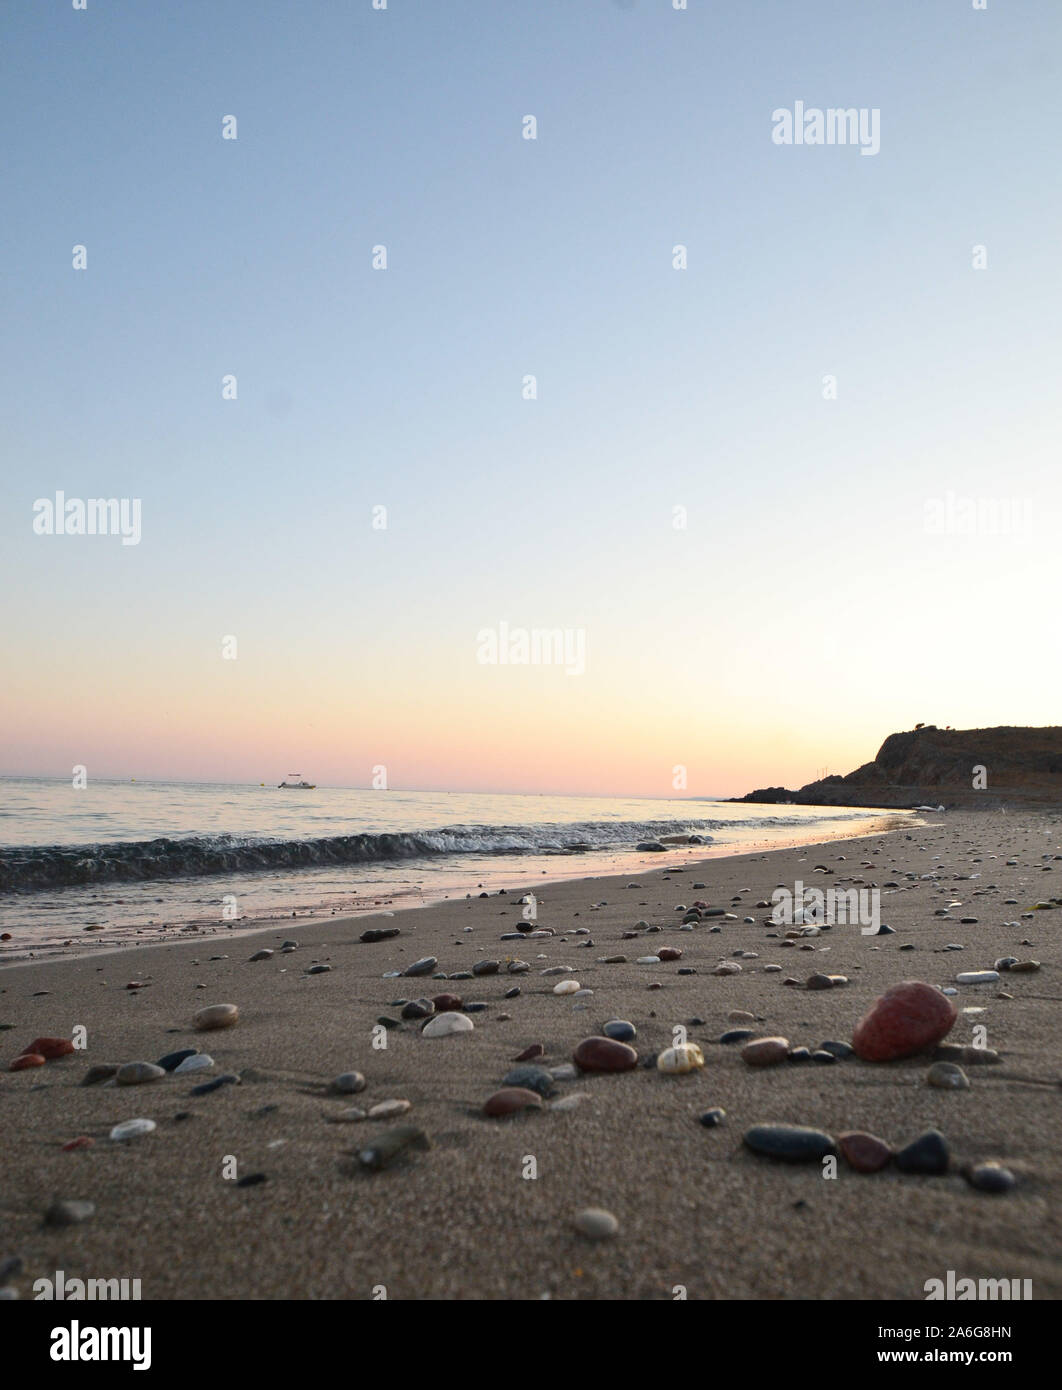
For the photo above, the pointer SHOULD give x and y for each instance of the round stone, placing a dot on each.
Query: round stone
(27, 1060)
(424, 966)
(136, 1073)
(442, 1025)
(132, 1129)
(990, 1177)
(530, 1078)
(216, 1016)
(347, 1083)
(620, 1030)
(866, 1153)
(264, 954)
(388, 1109)
(676, 1061)
(948, 1077)
(566, 987)
(604, 1054)
(510, 1100)
(173, 1060)
(596, 1224)
(713, 1118)
(765, 1052)
(790, 1143)
(486, 967)
(907, 1019)
(448, 1004)
(196, 1061)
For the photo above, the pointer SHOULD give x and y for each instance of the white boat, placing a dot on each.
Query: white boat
(297, 783)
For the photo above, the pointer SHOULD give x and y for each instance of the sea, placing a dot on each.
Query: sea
(118, 863)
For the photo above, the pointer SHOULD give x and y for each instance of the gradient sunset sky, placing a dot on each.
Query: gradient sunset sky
(807, 609)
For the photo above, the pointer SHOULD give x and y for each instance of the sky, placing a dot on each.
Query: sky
(777, 504)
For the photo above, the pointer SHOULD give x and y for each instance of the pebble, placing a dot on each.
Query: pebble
(676, 1061)
(510, 1100)
(388, 1109)
(264, 954)
(206, 1087)
(216, 1016)
(392, 1145)
(840, 1050)
(908, 1018)
(530, 1078)
(197, 1061)
(442, 1025)
(979, 977)
(486, 967)
(448, 1004)
(81, 1142)
(765, 1052)
(728, 967)
(68, 1212)
(173, 1060)
(564, 1072)
(790, 1143)
(132, 1129)
(800, 1054)
(948, 1077)
(27, 1060)
(518, 967)
(740, 1016)
(418, 1008)
(566, 987)
(424, 966)
(313, 970)
(570, 1102)
(648, 960)
(604, 1054)
(529, 1053)
(136, 1073)
(971, 1056)
(102, 1071)
(379, 934)
(252, 1180)
(620, 1030)
(594, 1222)
(736, 1035)
(866, 1153)
(823, 1058)
(989, 1177)
(927, 1154)
(1025, 967)
(510, 993)
(50, 1048)
(712, 1118)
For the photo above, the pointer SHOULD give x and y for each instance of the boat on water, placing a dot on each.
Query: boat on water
(297, 783)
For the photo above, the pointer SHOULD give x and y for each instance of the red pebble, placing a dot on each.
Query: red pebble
(5, 936)
(135, 984)
(535, 1050)
(81, 1142)
(510, 1100)
(866, 1153)
(669, 953)
(28, 1059)
(604, 1054)
(909, 1018)
(51, 1047)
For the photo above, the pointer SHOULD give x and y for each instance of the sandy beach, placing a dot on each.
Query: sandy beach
(697, 1212)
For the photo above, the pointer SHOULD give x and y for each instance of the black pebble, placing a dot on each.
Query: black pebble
(251, 1180)
(926, 1154)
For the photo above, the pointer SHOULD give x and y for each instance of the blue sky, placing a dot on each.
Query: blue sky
(805, 550)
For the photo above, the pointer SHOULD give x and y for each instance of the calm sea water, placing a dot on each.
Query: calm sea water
(139, 861)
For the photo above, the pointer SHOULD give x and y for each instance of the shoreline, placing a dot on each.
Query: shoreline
(52, 950)
(461, 1219)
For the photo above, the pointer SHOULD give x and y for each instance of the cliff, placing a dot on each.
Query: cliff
(968, 768)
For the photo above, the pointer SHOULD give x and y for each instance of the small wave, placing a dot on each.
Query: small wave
(35, 867)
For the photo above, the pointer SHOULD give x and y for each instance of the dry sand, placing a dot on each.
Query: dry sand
(461, 1221)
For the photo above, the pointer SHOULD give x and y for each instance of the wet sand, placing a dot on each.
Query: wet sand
(697, 1212)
